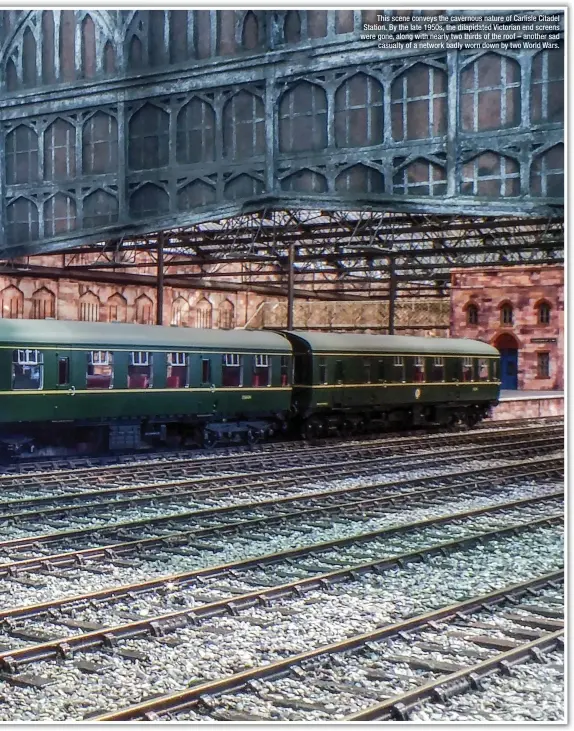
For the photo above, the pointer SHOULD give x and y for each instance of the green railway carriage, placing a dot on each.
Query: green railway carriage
(343, 380)
(121, 382)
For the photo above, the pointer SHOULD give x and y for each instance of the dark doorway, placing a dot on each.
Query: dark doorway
(509, 368)
(508, 347)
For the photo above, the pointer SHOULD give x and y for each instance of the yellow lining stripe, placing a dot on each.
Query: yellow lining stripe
(68, 391)
(226, 389)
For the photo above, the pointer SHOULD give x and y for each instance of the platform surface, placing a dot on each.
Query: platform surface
(506, 395)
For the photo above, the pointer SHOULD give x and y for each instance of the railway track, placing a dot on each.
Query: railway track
(127, 647)
(202, 493)
(62, 464)
(181, 585)
(314, 565)
(243, 521)
(361, 666)
(291, 454)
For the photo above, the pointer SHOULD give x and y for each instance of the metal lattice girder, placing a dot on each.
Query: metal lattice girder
(337, 255)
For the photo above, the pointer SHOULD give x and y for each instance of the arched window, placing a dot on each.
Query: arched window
(12, 302)
(472, 315)
(89, 307)
(547, 173)
(250, 32)
(59, 214)
(490, 93)
(100, 144)
(506, 314)
(43, 304)
(547, 86)
(544, 310)
(491, 175)
(204, 312)
(180, 312)
(144, 310)
(21, 155)
(292, 27)
(21, 221)
(195, 133)
(359, 112)
(420, 177)
(117, 308)
(227, 315)
(60, 151)
(148, 145)
(243, 126)
(419, 103)
(303, 118)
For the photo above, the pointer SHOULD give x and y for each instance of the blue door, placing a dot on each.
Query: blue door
(509, 368)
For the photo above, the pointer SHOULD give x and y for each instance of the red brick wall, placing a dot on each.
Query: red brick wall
(528, 409)
(524, 288)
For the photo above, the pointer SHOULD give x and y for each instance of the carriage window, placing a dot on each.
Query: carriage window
(262, 371)
(206, 370)
(399, 362)
(482, 369)
(322, 370)
(177, 370)
(27, 370)
(232, 370)
(140, 369)
(99, 372)
(284, 370)
(467, 369)
(495, 370)
(419, 370)
(367, 371)
(339, 372)
(63, 371)
(437, 372)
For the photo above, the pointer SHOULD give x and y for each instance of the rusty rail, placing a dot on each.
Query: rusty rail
(151, 709)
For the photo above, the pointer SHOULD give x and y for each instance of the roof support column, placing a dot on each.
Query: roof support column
(392, 294)
(291, 286)
(159, 311)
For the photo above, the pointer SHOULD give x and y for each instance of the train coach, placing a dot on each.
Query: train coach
(346, 382)
(113, 385)
(98, 386)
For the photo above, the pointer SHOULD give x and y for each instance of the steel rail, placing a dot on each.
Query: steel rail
(278, 448)
(169, 491)
(149, 710)
(550, 465)
(398, 451)
(273, 558)
(159, 625)
(374, 446)
(400, 706)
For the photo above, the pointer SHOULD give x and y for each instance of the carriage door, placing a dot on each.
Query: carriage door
(63, 382)
(339, 393)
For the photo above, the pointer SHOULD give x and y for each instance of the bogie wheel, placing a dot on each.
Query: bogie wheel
(311, 429)
(252, 436)
(209, 439)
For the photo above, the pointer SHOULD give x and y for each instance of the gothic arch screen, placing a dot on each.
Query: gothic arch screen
(137, 120)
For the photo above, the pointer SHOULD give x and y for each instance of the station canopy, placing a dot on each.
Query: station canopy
(335, 254)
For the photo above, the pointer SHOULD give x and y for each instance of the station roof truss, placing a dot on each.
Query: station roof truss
(336, 255)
